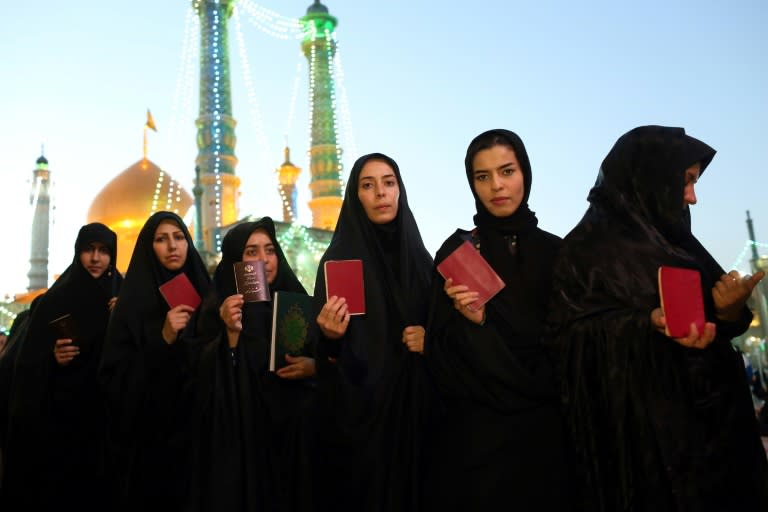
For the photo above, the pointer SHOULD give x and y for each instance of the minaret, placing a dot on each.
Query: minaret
(216, 127)
(319, 47)
(287, 174)
(41, 199)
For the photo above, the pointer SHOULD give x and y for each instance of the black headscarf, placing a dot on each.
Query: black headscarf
(146, 381)
(232, 248)
(396, 268)
(502, 240)
(376, 403)
(246, 411)
(645, 412)
(47, 399)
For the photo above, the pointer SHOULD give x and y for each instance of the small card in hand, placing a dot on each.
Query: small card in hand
(180, 290)
(65, 328)
(251, 280)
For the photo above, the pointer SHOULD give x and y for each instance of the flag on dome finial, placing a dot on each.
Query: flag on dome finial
(150, 122)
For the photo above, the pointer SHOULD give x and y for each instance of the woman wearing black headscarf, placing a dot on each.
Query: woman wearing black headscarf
(373, 392)
(56, 425)
(657, 423)
(251, 450)
(145, 370)
(500, 440)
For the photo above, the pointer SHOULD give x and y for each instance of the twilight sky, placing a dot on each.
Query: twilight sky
(421, 80)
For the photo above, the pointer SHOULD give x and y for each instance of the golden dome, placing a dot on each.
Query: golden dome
(127, 201)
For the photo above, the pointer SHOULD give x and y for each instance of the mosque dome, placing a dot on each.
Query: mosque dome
(127, 201)
(42, 160)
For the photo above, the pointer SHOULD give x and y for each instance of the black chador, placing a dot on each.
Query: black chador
(500, 439)
(56, 416)
(146, 380)
(250, 451)
(374, 399)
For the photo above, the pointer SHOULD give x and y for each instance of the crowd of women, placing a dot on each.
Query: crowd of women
(562, 392)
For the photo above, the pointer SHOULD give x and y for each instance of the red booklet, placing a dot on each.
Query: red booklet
(681, 300)
(344, 278)
(180, 290)
(467, 266)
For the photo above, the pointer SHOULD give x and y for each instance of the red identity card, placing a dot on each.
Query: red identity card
(344, 278)
(467, 266)
(180, 290)
(681, 300)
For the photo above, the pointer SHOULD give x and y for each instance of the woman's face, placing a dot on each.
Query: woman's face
(498, 180)
(95, 258)
(260, 247)
(691, 177)
(378, 191)
(170, 245)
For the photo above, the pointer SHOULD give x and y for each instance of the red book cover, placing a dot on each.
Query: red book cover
(344, 278)
(467, 266)
(681, 300)
(180, 290)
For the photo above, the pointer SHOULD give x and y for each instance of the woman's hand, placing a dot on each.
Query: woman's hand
(693, 340)
(462, 298)
(731, 292)
(333, 319)
(175, 320)
(231, 312)
(111, 303)
(64, 351)
(413, 337)
(299, 367)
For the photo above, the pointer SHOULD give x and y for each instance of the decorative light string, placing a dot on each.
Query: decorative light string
(256, 118)
(217, 109)
(182, 101)
(329, 48)
(7, 312)
(158, 188)
(287, 201)
(270, 22)
(747, 248)
(348, 132)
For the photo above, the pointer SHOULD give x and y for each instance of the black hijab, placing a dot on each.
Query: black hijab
(675, 421)
(374, 401)
(140, 299)
(396, 268)
(48, 400)
(232, 248)
(505, 241)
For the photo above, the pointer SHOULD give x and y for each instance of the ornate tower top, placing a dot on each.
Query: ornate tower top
(319, 47)
(287, 174)
(41, 199)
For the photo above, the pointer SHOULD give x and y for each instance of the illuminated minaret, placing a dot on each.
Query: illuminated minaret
(287, 174)
(215, 125)
(319, 46)
(41, 199)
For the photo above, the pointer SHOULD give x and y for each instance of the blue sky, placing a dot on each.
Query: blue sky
(421, 79)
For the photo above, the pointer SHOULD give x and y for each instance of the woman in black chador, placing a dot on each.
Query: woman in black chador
(373, 393)
(56, 415)
(657, 423)
(145, 371)
(251, 450)
(500, 440)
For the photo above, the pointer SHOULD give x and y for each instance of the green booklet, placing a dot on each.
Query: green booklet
(291, 320)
